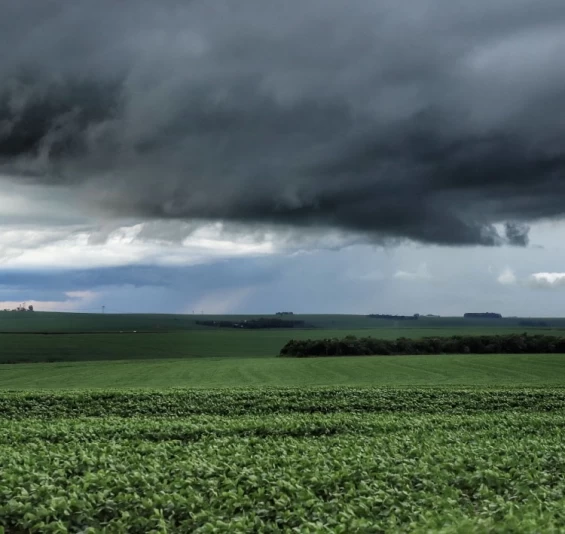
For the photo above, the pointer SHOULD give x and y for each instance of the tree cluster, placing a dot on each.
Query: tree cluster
(486, 315)
(253, 323)
(488, 344)
(21, 308)
(394, 317)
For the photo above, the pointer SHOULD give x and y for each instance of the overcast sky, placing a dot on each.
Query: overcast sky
(312, 155)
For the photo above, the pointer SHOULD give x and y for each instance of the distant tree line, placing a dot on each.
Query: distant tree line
(253, 323)
(21, 308)
(486, 315)
(489, 344)
(284, 313)
(394, 317)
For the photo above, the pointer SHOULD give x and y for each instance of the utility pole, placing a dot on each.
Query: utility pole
(103, 308)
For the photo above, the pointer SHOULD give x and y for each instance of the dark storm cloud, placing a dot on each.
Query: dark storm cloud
(517, 234)
(427, 120)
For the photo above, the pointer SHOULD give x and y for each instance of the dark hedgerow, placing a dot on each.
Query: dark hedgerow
(487, 344)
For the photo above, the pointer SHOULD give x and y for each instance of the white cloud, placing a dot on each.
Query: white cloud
(421, 273)
(546, 280)
(535, 280)
(507, 277)
(59, 248)
(48, 228)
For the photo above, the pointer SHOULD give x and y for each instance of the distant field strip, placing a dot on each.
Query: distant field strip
(98, 322)
(215, 343)
(345, 460)
(535, 369)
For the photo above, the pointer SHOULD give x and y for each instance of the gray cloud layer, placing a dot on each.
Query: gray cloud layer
(427, 119)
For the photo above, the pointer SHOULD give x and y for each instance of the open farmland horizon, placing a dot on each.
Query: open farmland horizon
(223, 343)
(39, 321)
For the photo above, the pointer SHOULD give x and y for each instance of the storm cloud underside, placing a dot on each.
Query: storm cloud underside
(428, 120)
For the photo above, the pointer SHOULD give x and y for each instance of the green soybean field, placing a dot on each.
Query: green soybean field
(310, 459)
(458, 370)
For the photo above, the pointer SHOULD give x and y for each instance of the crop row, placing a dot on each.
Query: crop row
(183, 403)
(199, 427)
(377, 473)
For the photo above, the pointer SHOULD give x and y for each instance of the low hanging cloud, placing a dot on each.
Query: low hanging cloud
(547, 280)
(395, 121)
(507, 277)
(541, 280)
(421, 273)
(61, 249)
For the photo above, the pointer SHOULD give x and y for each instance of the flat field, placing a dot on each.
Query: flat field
(212, 343)
(180, 428)
(213, 357)
(342, 460)
(97, 322)
(520, 369)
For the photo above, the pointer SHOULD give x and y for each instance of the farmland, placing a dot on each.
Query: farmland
(96, 322)
(269, 460)
(30, 347)
(154, 424)
(59, 337)
(466, 370)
